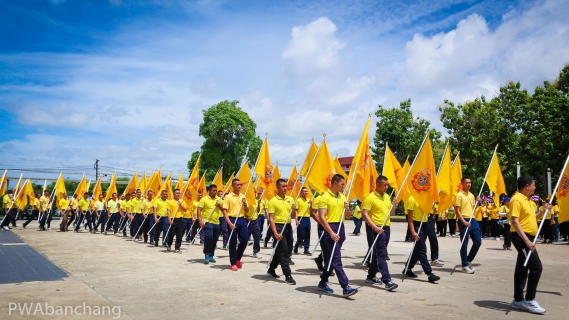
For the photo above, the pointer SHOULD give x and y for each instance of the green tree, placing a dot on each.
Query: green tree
(403, 132)
(229, 135)
(562, 82)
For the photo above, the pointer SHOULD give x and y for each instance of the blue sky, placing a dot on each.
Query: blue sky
(125, 81)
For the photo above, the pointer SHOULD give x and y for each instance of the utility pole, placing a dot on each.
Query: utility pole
(96, 168)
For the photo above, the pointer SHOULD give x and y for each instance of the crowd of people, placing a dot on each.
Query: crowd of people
(228, 215)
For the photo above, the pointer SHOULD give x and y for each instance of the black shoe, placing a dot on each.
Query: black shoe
(291, 263)
(272, 273)
(265, 244)
(24, 226)
(156, 244)
(168, 248)
(319, 264)
(295, 251)
(433, 278)
(409, 273)
(290, 281)
(387, 258)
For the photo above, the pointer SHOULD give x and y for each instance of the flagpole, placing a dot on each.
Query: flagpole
(50, 202)
(173, 216)
(290, 213)
(158, 235)
(137, 187)
(545, 214)
(476, 202)
(398, 193)
(141, 200)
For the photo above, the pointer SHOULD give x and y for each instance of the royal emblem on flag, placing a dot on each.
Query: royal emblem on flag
(459, 187)
(564, 186)
(268, 175)
(290, 184)
(328, 180)
(371, 183)
(422, 181)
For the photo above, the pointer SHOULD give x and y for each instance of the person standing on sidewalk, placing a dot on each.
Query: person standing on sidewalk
(463, 206)
(523, 216)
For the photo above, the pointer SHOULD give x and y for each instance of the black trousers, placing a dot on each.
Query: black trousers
(507, 236)
(177, 228)
(484, 228)
(10, 216)
(442, 228)
(521, 273)
(44, 217)
(282, 252)
(146, 227)
(32, 217)
(452, 226)
(269, 234)
(547, 230)
(70, 218)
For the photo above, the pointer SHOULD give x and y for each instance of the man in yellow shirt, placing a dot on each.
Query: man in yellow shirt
(280, 208)
(176, 209)
(357, 218)
(83, 213)
(35, 202)
(45, 210)
(303, 229)
(102, 213)
(194, 221)
(523, 216)
(376, 210)
(9, 211)
(74, 204)
(464, 209)
(160, 219)
(209, 210)
(63, 207)
(253, 226)
(114, 207)
(148, 214)
(417, 221)
(503, 214)
(494, 218)
(124, 212)
(137, 218)
(262, 213)
(330, 208)
(234, 209)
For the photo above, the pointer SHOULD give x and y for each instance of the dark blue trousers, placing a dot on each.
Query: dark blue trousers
(303, 234)
(378, 262)
(136, 224)
(224, 231)
(420, 251)
(255, 231)
(187, 227)
(337, 258)
(241, 231)
(102, 220)
(211, 234)
(114, 222)
(433, 241)
(474, 233)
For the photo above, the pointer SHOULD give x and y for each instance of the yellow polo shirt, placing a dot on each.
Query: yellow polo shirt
(357, 212)
(232, 203)
(264, 205)
(465, 201)
(35, 204)
(280, 207)
(148, 206)
(44, 201)
(99, 205)
(74, 203)
(207, 204)
(524, 209)
(175, 209)
(378, 206)
(194, 212)
(412, 205)
(84, 205)
(7, 201)
(315, 202)
(303, 207)
(479, 213)
(334, 206)
(253, 212)
(494, 212)
(161, 207)
(113, 206)
(136, 205)
(63, 204)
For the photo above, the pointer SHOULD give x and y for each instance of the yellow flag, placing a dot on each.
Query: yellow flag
(82, 187)
(309, 157)
(187, 196)
(27, 190)
(97, 190)
(495, 179)
(18, 185)
(155, 183)
(456, 176)
(320, 176)
(422, 181)
(444, 182)
(338, 168)
(60, 188)
(143, 183)
(563, 196)
(293, 182)
(360, 169)
(406, 166)
(167, 185)
(263, 167)
(112, 187)
(227, 184)
(132, 184)
(272, 188)
(194, 178)
(201, 185)
(3, 183)
(248, 190)
(218, 179)
(180, 183)
(244, 174)
(395, 173)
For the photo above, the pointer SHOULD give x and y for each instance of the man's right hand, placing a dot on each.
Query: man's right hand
(466, 224)
(278, 236)
(415, 236)
(202, 225)
(335, 237)
(530, 245)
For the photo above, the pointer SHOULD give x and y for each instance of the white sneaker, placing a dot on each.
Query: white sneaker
(470, 266)
(258, 256)
(533, 307)
(519, 305)
(6, 228)
(437, 263)
(496, 238)
(467, 269)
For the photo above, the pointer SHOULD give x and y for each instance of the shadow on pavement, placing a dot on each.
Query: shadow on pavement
(496, 305)
(314, 290)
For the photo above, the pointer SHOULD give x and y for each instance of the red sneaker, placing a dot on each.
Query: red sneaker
(234, 268)
(238, 264)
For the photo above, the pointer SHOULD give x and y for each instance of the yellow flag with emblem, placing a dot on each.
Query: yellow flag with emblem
(180, 182)
(201, 185)
(360, 169)
(293, 183)
(143, 183)
(112, 187)
(218, 179)
(444, 182)
(167, 185)
(244, 175)
(309, 157)
(194, 178)
(263, 167)
(25, 195)
(422, 181)
(132, 184)
(60, 188)
(495, 179)
(322, 171)
(155, 183)
(82, 187)
(3, 183)
(563, 196)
